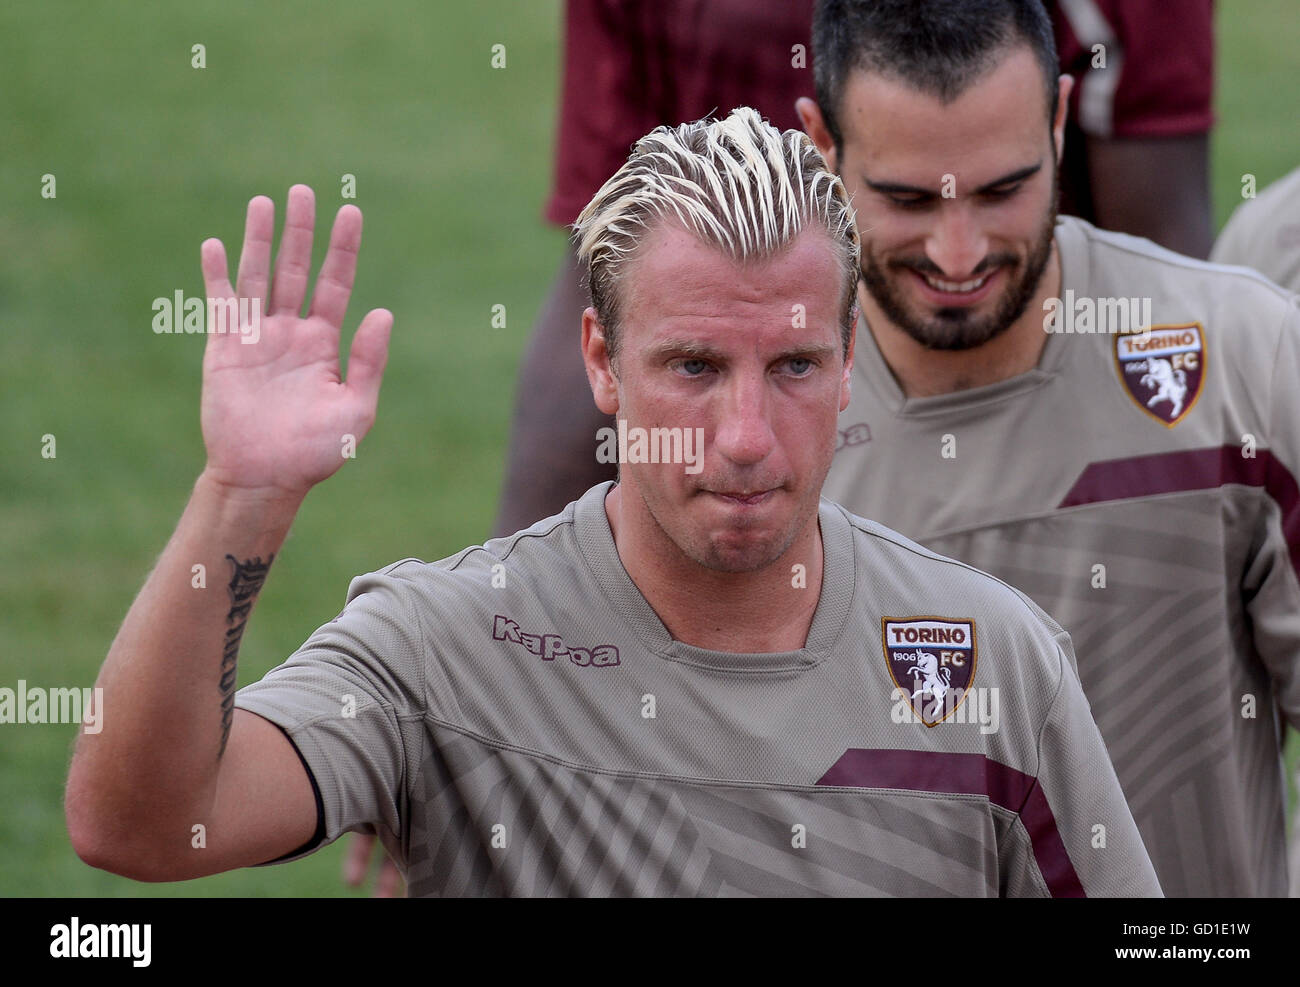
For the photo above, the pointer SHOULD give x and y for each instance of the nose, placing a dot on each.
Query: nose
(744, 433)
(957, 243)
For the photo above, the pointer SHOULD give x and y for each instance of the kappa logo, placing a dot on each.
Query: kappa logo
(548, 647)
(854, 435)
(931, 660)
(1163, 369)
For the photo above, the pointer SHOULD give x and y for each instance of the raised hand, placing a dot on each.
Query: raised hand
(276, 414)
(356, 867)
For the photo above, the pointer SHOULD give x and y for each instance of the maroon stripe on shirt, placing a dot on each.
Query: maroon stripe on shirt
(1194, 469)
(966, 774)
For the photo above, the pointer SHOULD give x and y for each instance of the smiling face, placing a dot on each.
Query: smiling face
(956, 202)
(751, 353)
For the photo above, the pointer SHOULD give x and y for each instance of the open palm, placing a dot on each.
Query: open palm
(277, 416)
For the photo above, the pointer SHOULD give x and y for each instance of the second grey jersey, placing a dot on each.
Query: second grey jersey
(517, 720)
(1141, 487)
(1264, 233)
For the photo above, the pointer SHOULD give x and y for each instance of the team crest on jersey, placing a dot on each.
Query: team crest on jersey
(932, 662)
(1163, 369)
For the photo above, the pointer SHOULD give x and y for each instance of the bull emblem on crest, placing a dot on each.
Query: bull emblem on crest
(929, 678)
(1170, 384)
(931, 661)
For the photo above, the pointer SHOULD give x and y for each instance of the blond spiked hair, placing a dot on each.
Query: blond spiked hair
(738, 184)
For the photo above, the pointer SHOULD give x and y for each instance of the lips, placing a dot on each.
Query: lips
(956, 286)
(941, 291)
(743, 498)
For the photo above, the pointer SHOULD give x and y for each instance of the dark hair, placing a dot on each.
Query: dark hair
(936, 46)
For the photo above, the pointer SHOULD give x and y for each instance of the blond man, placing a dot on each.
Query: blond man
(701, 679)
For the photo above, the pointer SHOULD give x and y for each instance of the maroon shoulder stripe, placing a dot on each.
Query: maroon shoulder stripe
(966, 774)
(1194, 469)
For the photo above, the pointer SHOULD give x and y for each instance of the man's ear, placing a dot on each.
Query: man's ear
(1065, 87)
(595, 355)
(814, 125)
(845, 381)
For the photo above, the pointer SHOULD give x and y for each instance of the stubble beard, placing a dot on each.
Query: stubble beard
(958, 328)
(698, 545)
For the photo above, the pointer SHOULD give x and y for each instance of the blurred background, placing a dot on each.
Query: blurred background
(452, 160)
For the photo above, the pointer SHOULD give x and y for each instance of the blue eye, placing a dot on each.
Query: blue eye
(691, 368)
(804, 365)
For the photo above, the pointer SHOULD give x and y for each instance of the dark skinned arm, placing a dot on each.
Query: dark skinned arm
(1155, 187)
(552, 457)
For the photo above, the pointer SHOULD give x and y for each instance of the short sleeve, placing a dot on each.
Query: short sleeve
(1272, 579)
(1264, 233)
(1153, 75)
(351, 699)
(1079, 822)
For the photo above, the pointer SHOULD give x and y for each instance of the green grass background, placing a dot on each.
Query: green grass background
(452, 159)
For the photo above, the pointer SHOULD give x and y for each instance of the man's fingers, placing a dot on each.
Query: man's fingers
(216, 284)
(368, 357)
(334, 283)
(255, 258)
(293, 262)
(357, 860)
(389, 884)
(212, 261)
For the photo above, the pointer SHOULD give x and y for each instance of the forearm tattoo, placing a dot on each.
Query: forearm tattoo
(245, 584)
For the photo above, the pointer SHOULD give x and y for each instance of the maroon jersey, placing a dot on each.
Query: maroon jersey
(630, 66)
(1157, 79)
(1152, 76)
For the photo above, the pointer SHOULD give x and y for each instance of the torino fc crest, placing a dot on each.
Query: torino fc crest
(932, 662)
(1163, 369)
